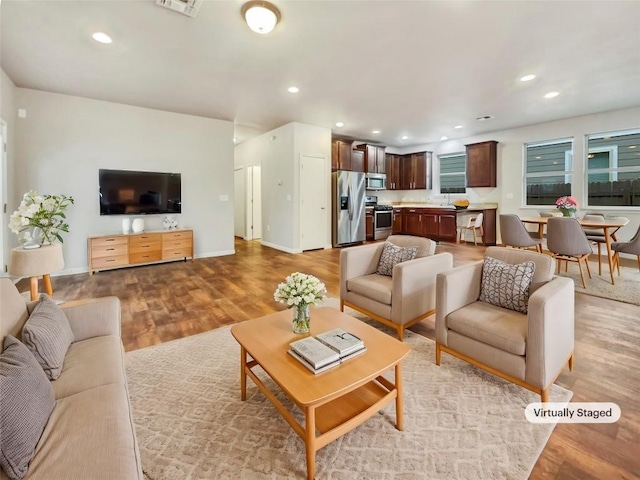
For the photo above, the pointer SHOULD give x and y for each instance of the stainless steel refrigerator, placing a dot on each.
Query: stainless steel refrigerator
(348, 215)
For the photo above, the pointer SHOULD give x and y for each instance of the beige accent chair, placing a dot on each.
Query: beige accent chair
(529, 349)
(566, 241)
(514, 234)
(475, 225)
(401, 300)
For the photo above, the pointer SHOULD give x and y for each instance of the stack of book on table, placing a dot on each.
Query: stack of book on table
(326, 350)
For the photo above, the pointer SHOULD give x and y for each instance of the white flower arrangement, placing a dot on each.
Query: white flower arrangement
(300, 289)
(45, 212)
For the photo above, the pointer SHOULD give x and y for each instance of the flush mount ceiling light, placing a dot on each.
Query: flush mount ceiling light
(261, 17)
(458, 126)
(405, 137)
(101, 37)
(376, 132)
(527, 78)
(339, 124)
(293, 89)
(551, 94)
(444, 137)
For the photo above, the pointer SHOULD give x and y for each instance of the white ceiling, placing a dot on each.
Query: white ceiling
(414, 68)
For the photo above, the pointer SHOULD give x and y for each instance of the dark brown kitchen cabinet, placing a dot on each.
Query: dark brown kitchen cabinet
(414, 171)
(374, 158)
(447, 226)
(357, 160)
(396, 226)
(341, 155)
(368, 223)
(482, 164)
(393, 170)
(413, 222)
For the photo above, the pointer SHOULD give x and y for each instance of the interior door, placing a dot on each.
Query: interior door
(238, 203)
(254, 210)
(3, 196)
(313, 202)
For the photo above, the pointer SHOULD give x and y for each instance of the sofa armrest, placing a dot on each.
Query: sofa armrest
(550, 334)
(455, 288)
(358, 262)
(93, 317)
(414, 286)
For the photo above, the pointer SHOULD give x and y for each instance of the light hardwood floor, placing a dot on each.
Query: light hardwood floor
(169, 301)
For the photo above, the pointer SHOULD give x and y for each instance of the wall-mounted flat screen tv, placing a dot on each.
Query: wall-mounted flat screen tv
(127, 192)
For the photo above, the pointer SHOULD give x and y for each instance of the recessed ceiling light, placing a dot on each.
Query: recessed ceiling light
(376, 132)
(235, 139)
(483, 118)
(527, 78)
(444, 137)
(261, 16)
(339, 124)
(404, 137)
(101, 37)
(293, 89)
(551, 94)
(458, 126)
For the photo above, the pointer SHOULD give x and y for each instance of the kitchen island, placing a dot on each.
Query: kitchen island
(440, 222)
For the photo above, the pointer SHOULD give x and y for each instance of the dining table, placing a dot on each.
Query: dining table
(608, 226)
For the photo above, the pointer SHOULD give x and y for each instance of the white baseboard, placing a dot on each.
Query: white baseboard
(219, 253)
(280, 247)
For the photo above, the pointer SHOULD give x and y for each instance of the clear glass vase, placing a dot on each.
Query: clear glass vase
(301, 318)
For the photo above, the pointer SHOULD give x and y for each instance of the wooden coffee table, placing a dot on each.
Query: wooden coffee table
(333, 402)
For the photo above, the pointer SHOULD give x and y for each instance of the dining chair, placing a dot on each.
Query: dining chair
(475, 225)
(596, 235)
(632, 247)
(514, 234)
(566, 241)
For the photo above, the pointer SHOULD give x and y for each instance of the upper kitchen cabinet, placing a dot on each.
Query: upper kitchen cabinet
(357, 160)
(482, 164)
(374, 158)
(393, 168)
(416, 169)
(341, 155)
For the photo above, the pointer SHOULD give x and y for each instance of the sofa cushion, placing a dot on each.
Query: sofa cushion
(499, 327)
(392, 255)
(506, 285)
(27, 402)
(89, 435)
(376, 287)
(47, 335)
(91, 363)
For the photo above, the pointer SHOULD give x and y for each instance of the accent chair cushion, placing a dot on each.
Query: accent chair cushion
(47, 335)
(392, 255)
(506, 285)
(27, 403)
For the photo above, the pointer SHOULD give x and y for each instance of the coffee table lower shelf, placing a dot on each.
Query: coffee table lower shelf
(338, 415)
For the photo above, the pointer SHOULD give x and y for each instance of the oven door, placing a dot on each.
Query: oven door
(383, 223)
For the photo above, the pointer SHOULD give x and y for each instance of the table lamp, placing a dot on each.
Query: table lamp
(37, 262)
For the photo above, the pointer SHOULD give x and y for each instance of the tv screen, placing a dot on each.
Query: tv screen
(127, 192)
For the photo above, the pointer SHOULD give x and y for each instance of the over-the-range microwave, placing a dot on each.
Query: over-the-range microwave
(376, 181)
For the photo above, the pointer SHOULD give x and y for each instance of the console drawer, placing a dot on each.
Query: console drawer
(177, 253)
(108, 241)
(107, 262)
(143, 257)
(109, 250)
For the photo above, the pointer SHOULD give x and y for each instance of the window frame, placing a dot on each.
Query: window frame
(568, 173)
(456, 174)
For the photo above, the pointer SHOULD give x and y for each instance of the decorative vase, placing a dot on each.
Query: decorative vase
(301, 318)
(567, 213)
(137, 225)
(126, 225)
(36, 241)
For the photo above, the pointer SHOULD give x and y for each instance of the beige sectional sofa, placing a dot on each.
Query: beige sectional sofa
(90, 433)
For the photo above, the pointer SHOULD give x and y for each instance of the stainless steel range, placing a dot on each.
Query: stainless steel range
(382, 218)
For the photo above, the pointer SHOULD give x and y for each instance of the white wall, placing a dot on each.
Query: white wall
(65, 140)
(8, 114)
(509, 194)
(278, 153)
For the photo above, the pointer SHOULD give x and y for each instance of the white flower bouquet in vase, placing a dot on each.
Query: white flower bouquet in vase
(298, 291)
(40, 219)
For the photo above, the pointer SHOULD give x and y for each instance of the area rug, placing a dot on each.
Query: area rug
(460, 423)
(626, 289)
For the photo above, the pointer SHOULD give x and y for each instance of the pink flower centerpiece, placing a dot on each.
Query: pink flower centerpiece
(567, 205)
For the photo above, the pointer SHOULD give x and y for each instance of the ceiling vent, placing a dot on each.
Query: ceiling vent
(186, 7)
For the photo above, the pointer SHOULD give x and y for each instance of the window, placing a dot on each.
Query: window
(453, 177)
(613, 169)
(548, 171)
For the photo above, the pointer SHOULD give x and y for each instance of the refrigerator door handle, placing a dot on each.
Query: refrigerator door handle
(349, 203)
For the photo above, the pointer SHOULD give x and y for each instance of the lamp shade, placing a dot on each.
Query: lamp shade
(37, 261)
(261, 17)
